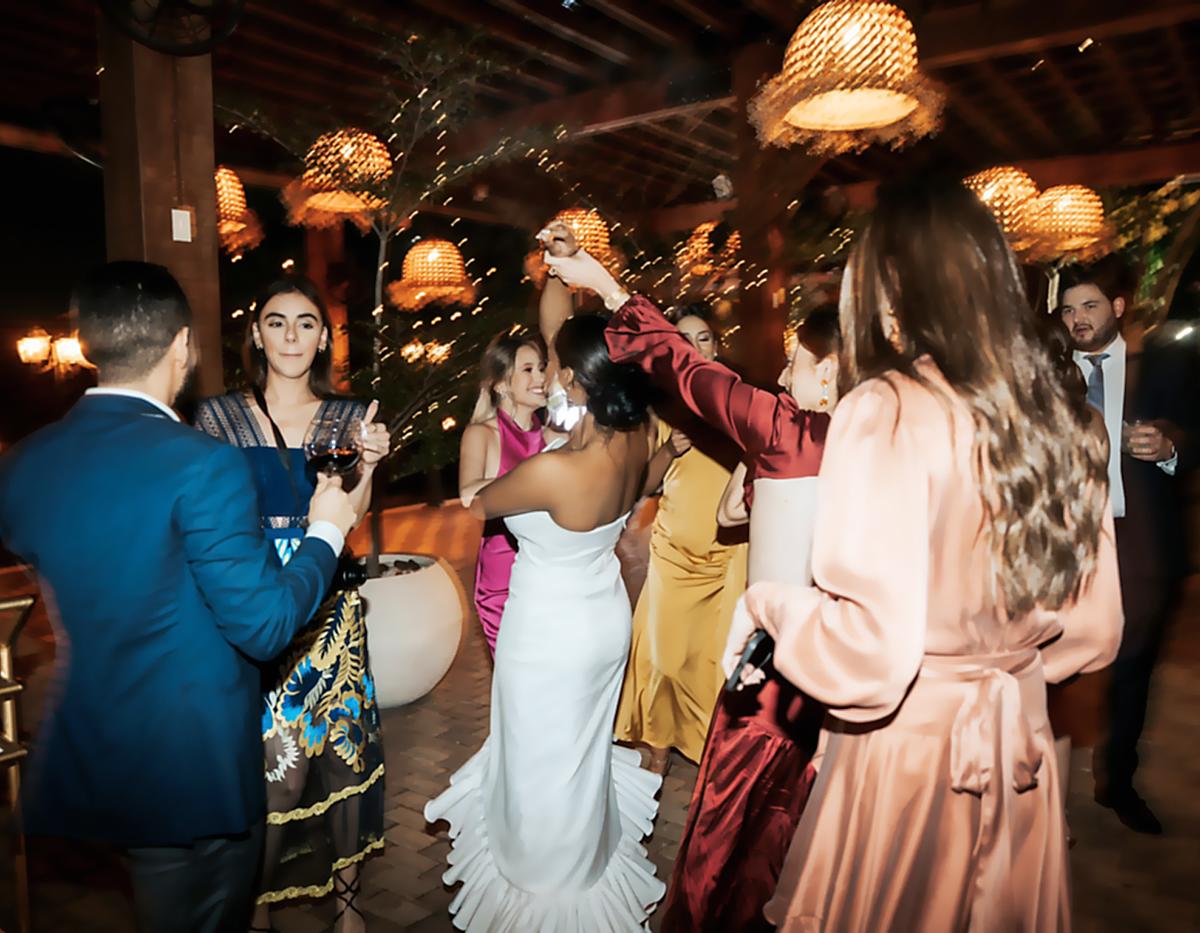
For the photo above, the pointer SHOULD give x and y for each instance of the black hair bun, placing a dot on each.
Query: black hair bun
(622, 400)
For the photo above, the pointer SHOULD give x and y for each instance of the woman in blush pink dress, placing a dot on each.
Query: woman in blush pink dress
(504, 430)
(963, 556)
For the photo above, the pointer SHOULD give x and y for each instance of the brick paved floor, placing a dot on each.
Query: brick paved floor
(1122, 881)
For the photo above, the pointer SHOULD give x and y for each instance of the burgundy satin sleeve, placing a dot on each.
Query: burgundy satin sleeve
(780, 440)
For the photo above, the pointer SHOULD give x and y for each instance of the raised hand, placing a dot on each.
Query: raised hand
(376, 442)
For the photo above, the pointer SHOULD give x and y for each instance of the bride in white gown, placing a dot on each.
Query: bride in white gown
(547, 817)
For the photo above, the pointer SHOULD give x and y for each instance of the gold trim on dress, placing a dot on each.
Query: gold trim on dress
(277, 818)
(315, 890)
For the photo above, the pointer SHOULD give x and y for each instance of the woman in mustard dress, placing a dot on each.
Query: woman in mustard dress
(693, 581)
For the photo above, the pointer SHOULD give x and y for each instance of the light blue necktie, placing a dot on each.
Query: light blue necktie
(1095, 383)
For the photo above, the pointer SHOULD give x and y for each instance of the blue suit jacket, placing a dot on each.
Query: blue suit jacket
(147, 539)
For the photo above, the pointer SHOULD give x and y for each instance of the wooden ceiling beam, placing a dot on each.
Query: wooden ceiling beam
(1085, 118)
(1002, 89)
(538, 46)
(962, 35)
(1094, 169)
(644, 18)
(1131, 98)
(719, 21)
(1185, 71)
(720, 156)
(550, 17)
(980, 123)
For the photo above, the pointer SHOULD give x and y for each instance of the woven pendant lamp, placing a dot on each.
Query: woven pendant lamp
(850, 78)
(345, 172)
(1011, 195)
(1068, 222)
(434, 271)
(238, 228)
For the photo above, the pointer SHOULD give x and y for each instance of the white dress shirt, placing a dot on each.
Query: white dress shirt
(322, 531)
(1114, 416)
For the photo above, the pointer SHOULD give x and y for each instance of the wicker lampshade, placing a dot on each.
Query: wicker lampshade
(849, 79)
(1068, 220)
(231, 200)
(1010, 194)
(344, 174)
(591, 234)
(433, 271)
(700, 256)
(238, 228)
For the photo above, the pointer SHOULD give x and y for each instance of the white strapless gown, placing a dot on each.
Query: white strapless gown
(548, 815)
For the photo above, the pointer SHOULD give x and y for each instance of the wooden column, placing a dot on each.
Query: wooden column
(765, 181)
(325, 263)
(158, 141)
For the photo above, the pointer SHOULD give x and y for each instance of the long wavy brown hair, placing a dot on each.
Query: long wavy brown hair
(933, 256)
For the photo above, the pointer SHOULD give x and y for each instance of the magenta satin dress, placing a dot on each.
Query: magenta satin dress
(498, 548)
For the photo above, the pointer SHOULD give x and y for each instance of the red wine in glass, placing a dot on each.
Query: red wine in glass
(334, 446)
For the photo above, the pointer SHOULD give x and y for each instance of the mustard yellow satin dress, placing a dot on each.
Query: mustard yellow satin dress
(682, 617)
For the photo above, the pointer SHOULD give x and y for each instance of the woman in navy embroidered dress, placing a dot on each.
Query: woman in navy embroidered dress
(323, 754)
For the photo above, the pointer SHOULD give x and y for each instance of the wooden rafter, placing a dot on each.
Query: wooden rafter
(549, 18)
(689, 139)
(979, 122)
(703, 14)
(1131, 99)
(1184, 71)
(1002, 89)
(1082, 113)
(644, 18)
(961, 35)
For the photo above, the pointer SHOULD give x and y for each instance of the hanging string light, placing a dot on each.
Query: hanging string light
(433, 271)
(591, 233)
(345, 172)
(238, 228)
(849, 79)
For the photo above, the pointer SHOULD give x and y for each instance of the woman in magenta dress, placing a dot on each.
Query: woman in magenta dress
(504, 430)
(756, 769)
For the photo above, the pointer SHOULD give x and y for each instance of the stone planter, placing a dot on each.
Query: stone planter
(414, 627)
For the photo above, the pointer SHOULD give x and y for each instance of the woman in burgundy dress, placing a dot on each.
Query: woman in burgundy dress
(755, 773)
(504, 430)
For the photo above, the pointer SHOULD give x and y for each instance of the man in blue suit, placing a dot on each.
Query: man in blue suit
(145, 534)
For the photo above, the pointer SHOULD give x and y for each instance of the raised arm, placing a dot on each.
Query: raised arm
(638, 333)
(855, 640)
(554, 307)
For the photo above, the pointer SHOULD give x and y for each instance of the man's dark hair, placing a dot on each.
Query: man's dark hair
(128, 313)
(1111, 275)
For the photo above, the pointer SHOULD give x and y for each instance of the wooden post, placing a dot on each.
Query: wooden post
(157, 115)
(764, 181)
(325, 263)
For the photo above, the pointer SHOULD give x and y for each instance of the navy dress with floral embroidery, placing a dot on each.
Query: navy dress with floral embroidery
(323, 753)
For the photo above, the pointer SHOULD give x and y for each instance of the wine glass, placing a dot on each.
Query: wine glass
(334, 445)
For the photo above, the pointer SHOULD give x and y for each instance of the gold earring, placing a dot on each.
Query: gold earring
(824, 403)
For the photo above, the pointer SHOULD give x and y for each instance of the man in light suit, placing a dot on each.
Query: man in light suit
(164, 593)
(1148, 403)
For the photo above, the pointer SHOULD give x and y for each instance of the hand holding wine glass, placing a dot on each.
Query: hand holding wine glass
(334, 445)
(330, 503)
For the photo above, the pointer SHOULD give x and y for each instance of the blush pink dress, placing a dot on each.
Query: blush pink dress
(498, 548)
(937, 804)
